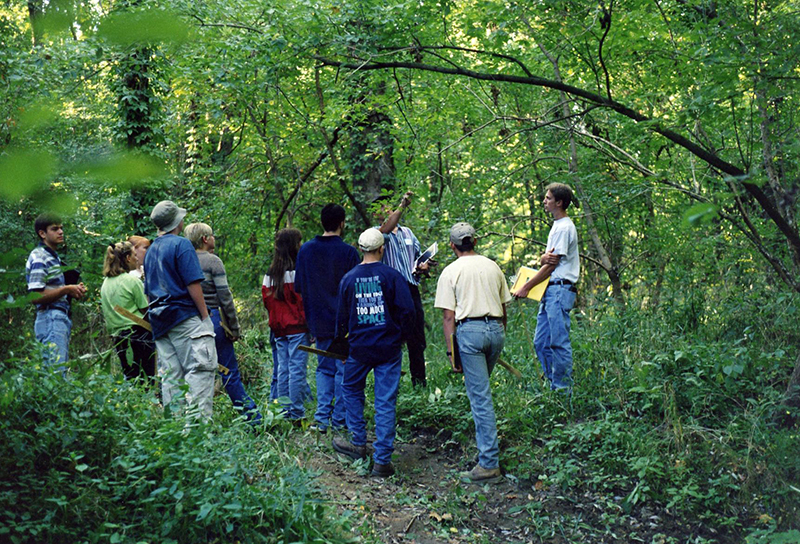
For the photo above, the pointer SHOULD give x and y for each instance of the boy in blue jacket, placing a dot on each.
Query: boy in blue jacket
(375, 308)
(321, 264)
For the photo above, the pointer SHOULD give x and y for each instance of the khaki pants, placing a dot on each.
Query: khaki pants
(187, 355)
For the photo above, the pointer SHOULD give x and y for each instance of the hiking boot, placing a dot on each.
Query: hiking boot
(345, 447)
(382, 471)
(480, 475)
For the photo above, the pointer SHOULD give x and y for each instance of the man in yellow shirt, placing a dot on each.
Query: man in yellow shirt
(472, 293)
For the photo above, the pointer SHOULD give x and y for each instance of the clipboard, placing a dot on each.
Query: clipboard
(456, 361)
(523, 275)
(427, 255)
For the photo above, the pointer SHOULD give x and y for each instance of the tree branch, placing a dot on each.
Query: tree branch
(313, 166)
(518, 237)
(605, 23)
(654, 125)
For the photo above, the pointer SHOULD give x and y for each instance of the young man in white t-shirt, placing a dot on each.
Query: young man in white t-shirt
(561, 264)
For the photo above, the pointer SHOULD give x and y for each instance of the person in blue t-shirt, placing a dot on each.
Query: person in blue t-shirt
(375, 313)
(320, 266)
(182, 329)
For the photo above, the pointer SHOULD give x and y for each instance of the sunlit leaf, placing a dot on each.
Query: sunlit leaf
(124, 170)
(37, 115)
(25, 171)
(700, 214)
(145, 26)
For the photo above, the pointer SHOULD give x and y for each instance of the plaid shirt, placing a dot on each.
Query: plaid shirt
(43, 271)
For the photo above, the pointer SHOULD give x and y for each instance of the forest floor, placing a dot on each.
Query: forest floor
(425, 503)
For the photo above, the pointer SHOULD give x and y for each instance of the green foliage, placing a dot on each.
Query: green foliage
(144, 25)
(91, 459)
(661, 419)
(225, 108)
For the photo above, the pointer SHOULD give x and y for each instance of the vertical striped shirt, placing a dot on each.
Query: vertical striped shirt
(402, 250)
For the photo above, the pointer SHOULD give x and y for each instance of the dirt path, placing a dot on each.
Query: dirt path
(424, 503)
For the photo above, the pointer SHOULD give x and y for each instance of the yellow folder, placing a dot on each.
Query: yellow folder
(523, 275)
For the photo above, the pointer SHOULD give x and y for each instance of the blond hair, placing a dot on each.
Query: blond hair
(139, 241)
(195, 233)
(116, 259)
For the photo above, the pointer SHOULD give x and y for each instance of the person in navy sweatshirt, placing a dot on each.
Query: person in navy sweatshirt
(375, 312)
(320, 266)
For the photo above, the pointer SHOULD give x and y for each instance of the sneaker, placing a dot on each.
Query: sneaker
(480, 475)
(345, 447)
(317, 427)
(382, 471)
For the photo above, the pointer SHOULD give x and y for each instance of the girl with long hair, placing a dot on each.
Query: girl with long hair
(287, 321)
(140, 245)
(121, 289)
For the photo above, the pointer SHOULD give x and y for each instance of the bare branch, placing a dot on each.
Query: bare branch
(542, 244)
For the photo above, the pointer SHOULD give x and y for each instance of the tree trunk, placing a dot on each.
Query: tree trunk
(788, 412)
(35, 12)
(610, 267)
(372, 157)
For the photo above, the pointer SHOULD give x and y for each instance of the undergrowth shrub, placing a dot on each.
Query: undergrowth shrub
(92, 459)
(675, 420)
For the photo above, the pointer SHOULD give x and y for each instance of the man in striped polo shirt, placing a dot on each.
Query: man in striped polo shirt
(44, 275)
(401, 253)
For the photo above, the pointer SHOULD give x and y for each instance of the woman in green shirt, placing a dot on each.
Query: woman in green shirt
(120, 289)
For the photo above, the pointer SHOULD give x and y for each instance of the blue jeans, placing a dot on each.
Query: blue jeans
(52, 328)
(273, 388)
(387, 382)
(292, 381)
(552, 335)
(480, 344)
(233, 380)
(329, 389)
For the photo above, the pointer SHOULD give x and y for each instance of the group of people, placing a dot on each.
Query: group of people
(358, 312)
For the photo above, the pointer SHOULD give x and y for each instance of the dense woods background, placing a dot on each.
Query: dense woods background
(676, 121)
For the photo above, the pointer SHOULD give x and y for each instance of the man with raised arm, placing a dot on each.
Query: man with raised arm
(472, 293)
(401, 253)
(321, 264)
(44, 275)
(561, 264)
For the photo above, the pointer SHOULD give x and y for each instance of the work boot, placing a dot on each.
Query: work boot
(480, 475)
(345, 447)
(382, 471)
